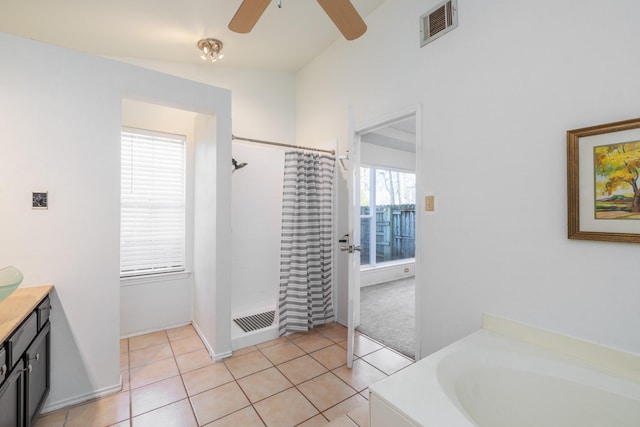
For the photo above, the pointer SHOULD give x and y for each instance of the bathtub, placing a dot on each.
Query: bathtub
(489, 379)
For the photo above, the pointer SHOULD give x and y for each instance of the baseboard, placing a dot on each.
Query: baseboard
(212, 354)
(150, 331)
(54, 406)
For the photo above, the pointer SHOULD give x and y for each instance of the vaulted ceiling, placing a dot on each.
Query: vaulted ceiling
(285, 38)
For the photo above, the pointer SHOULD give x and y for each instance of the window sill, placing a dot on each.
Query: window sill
(153, 278)
(388, 264)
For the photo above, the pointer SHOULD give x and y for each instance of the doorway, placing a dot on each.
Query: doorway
(387, 234)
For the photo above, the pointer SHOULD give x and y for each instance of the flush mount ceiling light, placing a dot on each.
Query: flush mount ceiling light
(211, 49)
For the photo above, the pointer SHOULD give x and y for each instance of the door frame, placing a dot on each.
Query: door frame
(372, 125)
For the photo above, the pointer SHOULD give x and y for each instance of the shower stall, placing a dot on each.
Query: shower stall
(256, 212)
(256, 226)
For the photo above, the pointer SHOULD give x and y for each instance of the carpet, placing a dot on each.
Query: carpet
(387, 314)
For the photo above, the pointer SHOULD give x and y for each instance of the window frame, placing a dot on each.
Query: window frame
(166, 272)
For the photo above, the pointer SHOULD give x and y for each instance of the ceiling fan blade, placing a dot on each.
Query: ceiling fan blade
(345, 17)
(247, 15)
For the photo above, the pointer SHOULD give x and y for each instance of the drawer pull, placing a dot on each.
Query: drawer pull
(3, 370)
(35, 358)
(29, 368)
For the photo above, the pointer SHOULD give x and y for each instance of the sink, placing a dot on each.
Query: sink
(10, 279)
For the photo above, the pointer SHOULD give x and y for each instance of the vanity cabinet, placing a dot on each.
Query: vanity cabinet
(11, 398)
(24, 355)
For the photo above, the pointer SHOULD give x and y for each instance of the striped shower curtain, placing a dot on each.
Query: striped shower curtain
(304, 299)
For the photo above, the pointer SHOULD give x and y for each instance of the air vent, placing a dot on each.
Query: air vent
(438, 21)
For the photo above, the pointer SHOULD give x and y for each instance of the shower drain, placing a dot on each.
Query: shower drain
(255, 321)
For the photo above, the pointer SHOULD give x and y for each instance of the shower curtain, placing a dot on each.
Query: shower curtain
(305, 254)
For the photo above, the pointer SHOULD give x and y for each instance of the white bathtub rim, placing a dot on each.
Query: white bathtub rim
(408, 390)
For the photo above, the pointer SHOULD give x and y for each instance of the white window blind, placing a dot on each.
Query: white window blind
(152, 205)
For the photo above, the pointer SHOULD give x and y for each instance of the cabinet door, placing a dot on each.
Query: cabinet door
(37, 374)
(12, 398)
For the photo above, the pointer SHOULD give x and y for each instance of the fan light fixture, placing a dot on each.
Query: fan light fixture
(211, 49)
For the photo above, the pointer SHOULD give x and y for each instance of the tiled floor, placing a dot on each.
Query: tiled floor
(299, 380)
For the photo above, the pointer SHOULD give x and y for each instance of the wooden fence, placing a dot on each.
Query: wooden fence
(395, 233)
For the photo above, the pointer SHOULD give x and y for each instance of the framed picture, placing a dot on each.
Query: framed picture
(603, 182)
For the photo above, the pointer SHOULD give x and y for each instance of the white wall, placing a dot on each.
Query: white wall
(263, 101)
(498, 94)
(159, 303)
(376, 155)
(60, 127)
(263, 107)
(256, 203)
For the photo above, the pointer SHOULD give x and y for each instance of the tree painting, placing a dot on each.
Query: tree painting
(617, 181)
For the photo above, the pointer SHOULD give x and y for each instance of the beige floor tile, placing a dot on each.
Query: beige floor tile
(360, 415)
(302, 369)
(331, 357)
(153, 372)
(125, 379)
(363, 345)
(147, 340)
(287, 408)
(52, 419)
(246, 417)
(345, 406)
(101, 412)
(387, 361)
(312, 342)
(218, 402)
(187, 345)
(156, 395)
(296, 335)
(317, 421)
(124, 345)
(124, 360)
(360, 376)
(247, 364)
(326, 391)
(243, 351)
(263, 384)
(194, 360)
(206, 378)
(272, 342)
(335, 333)
(149, 354)
(182, 332)
(342, 421)
(178, 414)
(283, 352)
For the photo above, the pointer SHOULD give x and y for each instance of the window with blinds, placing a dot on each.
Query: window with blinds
(152, 203)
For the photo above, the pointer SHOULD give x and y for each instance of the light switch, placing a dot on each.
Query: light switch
(429, 203)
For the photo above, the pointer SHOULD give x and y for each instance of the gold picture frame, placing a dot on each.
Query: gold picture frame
(601, 160)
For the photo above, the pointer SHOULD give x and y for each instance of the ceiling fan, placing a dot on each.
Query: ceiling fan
(341, 12)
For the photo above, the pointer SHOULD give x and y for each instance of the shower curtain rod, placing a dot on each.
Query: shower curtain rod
(332, 152)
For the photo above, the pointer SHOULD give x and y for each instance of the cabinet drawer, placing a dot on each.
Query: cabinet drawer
(43, 310)
(4, 368)
(21, 338)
